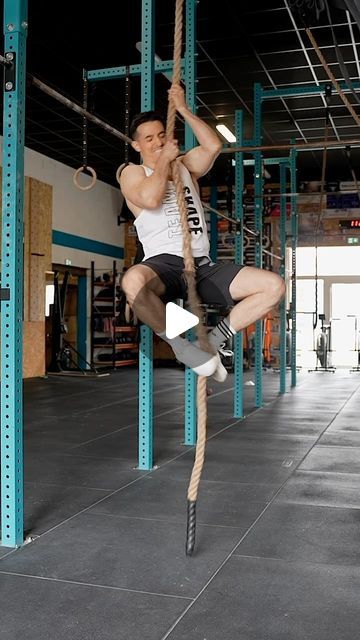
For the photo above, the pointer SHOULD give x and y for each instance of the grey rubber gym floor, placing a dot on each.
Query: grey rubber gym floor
(277, 553)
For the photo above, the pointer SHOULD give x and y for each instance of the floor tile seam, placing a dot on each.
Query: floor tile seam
(109, 388)
(213, 576)
(300, 561)
(131, 425)
(91, 456)
(239, 483)
(94, 585)
(67, 486)
(113, 492)
(315, 506)
(330, 473)
(113, 404)
(167, 521)
(135, 424)
(132, 482)
(247, 532)
(236, 421)
(277, 436)
(84, 509)
(338, 446)
(327, 473)
(323, 431)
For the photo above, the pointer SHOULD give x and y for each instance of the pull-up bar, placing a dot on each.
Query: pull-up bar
(316, 144)
(75, 107)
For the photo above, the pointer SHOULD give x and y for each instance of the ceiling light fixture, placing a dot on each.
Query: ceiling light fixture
(228, 135)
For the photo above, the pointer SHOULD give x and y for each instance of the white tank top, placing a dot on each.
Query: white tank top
(159, 230)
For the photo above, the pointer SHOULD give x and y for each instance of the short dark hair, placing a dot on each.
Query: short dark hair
(145, 116)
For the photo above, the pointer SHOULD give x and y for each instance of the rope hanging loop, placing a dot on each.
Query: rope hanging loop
(85, 167)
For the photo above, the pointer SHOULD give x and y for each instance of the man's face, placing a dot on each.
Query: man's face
(150, 139)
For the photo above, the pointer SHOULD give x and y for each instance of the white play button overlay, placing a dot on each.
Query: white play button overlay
(178, 320)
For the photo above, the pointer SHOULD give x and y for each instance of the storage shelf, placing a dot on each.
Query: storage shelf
(114, 363)
(118, 346)
(105, 333)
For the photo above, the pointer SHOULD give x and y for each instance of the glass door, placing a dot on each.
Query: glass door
(345, 323)
(305, 307)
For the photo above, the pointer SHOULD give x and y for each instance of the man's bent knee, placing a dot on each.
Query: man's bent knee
(138, 279)
(276, 288)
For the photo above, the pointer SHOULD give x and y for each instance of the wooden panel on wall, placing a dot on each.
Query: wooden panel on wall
(27, 250)
(34, 349)
(37, 259)
(41, 220)
(37, 288)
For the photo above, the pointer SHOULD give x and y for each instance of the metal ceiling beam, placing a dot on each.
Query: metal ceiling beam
(264, 68)
(314, 28)
(223, 76)
(307, 109)
(283, 51)
(302, 146)
(295, 91)
(350, 24)
(331, 120)
(304, 66)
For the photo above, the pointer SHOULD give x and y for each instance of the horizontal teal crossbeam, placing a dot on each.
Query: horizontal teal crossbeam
(87, 244)
(250, 161)
(165, 66)
(303, 90)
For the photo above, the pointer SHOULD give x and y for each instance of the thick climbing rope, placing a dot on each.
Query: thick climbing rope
(193, 298)
(331, 76)
(343, 97)
(319, 219)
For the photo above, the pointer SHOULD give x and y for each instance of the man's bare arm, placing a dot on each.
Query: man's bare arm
(200, 159)
(147, 192)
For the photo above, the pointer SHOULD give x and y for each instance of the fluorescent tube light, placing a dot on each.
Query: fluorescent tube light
(228, 135)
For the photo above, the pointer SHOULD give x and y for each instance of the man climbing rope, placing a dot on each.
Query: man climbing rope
(150, 195)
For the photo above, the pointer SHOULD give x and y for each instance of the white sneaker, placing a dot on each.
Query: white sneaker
(220, 373)
(201, 362)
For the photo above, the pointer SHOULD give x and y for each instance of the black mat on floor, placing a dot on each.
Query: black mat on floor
(277, 552)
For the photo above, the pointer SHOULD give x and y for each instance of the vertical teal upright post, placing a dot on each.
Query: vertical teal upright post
(190, 434)
(283, 168)
(258, 192)
(190, 75)
(294, 235)
(12, 494)
(146, 454)
(239, 257)
(190, 66)
(81, 319)
(213, 224)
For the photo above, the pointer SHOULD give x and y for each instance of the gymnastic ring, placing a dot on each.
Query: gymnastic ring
(266, 242)
(93, 178)
(119, 171)
(246, 242)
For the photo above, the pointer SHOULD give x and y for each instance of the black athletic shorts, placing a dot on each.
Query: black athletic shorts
(213, 279)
